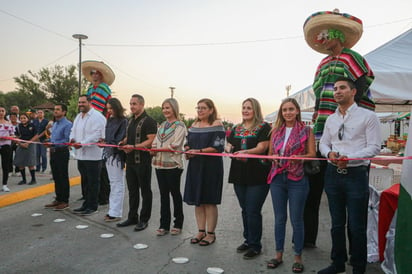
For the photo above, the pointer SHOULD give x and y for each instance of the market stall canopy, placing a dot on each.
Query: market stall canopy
(392, 87)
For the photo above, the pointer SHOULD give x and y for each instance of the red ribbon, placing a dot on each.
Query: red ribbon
(238, 155)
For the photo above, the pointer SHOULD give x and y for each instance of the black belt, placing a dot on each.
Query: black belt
(58, 149)
(345, 171)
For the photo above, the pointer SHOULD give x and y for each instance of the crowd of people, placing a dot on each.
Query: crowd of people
(120, 149)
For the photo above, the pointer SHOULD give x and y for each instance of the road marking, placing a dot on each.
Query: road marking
(34, 192)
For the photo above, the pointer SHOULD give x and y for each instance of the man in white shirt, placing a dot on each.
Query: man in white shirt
(350, 132)
(88, 127)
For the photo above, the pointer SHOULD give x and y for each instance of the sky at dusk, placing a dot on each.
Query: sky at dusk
(225, 50)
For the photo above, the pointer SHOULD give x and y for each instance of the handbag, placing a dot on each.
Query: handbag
(311, 167)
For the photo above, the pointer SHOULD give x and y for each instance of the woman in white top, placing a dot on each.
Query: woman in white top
(288, 183)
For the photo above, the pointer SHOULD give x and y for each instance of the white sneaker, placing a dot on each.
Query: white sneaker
(5, 188)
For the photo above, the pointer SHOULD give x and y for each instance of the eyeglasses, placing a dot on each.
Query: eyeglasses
(341, 132)
(201, 108)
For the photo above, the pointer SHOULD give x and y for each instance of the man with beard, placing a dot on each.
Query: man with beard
(88, 127)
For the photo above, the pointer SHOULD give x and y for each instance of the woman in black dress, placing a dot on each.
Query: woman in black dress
(204, 178)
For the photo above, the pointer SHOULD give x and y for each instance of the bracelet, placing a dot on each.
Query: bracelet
(200, 150)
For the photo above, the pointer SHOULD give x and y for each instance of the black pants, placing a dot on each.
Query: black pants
(5, 152)
(311, 214)
(59, 163)
(90, 171)
(138, 178)
(169, 184)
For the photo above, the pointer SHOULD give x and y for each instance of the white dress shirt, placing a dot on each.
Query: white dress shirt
(88, 129)
(361, 136)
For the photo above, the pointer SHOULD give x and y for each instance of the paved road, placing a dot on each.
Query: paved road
(39, 245)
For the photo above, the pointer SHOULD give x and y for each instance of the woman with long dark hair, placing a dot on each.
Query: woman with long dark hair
(115, 158)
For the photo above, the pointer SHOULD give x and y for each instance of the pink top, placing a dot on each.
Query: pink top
(6, 130)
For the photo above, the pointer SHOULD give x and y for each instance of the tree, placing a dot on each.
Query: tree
(72, 108)
(156, 113)
(27, 93)
(56, 84)
(59, 83)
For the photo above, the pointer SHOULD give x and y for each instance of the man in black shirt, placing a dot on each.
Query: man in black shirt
(141, 131)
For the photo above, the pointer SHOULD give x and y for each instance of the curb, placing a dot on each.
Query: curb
(27, 194)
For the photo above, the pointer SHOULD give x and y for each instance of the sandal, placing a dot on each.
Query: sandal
(205, 242)
(196, 240)
(273, 263)
(161, 232)
(175, 231)
(297, 268)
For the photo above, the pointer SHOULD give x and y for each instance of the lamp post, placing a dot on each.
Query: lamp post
(172, 91)
(80, 37)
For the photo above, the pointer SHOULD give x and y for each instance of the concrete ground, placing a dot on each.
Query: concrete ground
(40, 245)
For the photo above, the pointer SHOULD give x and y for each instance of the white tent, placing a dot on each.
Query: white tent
(392, 87)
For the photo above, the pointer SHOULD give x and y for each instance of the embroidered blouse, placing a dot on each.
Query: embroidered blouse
(169, 136)
(248, 171)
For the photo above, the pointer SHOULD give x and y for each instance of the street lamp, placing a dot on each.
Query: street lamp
(172, 91)
(80, 37)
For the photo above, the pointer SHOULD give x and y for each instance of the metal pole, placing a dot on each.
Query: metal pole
(80, 37)
(80, 66)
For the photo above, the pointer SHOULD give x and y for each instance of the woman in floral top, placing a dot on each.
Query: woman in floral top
(248, 176)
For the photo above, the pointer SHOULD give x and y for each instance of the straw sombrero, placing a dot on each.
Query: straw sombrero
(349, 25)
(105, 70)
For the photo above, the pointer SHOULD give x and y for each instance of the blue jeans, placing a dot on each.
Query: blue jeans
(251, 200)
(348, 196)
(282, 189)
(41, 157)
